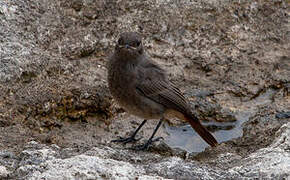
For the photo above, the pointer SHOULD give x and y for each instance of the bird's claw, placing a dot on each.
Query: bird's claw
(130, 139)
(157, 139)
(146, 146)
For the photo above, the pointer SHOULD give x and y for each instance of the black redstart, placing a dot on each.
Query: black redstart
(143, 89)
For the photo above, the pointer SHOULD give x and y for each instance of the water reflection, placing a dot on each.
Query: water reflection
(184, 137)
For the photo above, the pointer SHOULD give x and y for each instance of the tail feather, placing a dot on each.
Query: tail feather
(202, 131)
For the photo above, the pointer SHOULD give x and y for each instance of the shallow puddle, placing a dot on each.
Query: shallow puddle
(184, 137)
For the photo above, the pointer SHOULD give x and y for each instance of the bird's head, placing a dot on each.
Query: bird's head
(129, 44)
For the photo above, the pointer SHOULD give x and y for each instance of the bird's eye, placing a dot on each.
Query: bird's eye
(120, 41)
(138, 43)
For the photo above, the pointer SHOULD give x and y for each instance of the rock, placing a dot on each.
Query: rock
(272, 162)
(282, 115)
(3, 172)
(84, 167)
(44, 162)
(177, 168)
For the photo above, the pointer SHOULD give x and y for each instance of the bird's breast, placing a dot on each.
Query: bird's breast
(122, 81)
(122, 84)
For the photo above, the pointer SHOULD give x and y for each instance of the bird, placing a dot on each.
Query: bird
(142, 88)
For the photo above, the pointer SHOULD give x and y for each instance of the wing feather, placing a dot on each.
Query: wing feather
(154, 84)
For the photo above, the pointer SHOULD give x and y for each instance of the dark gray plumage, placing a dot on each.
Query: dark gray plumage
(142, 88)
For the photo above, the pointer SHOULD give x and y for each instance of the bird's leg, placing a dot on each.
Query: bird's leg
(132, 137)
(150, 140)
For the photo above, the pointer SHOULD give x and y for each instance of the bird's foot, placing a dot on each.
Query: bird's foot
(130, 139)
(144, 147)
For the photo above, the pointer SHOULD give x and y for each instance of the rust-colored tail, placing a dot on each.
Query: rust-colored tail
(202, 131)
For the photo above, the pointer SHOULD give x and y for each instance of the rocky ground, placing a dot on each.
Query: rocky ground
(230, 58)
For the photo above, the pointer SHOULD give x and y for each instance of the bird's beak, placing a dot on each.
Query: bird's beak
(127, 47)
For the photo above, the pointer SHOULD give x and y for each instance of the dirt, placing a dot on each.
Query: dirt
(231, 59)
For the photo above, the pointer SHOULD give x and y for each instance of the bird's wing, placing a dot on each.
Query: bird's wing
(153, 84)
